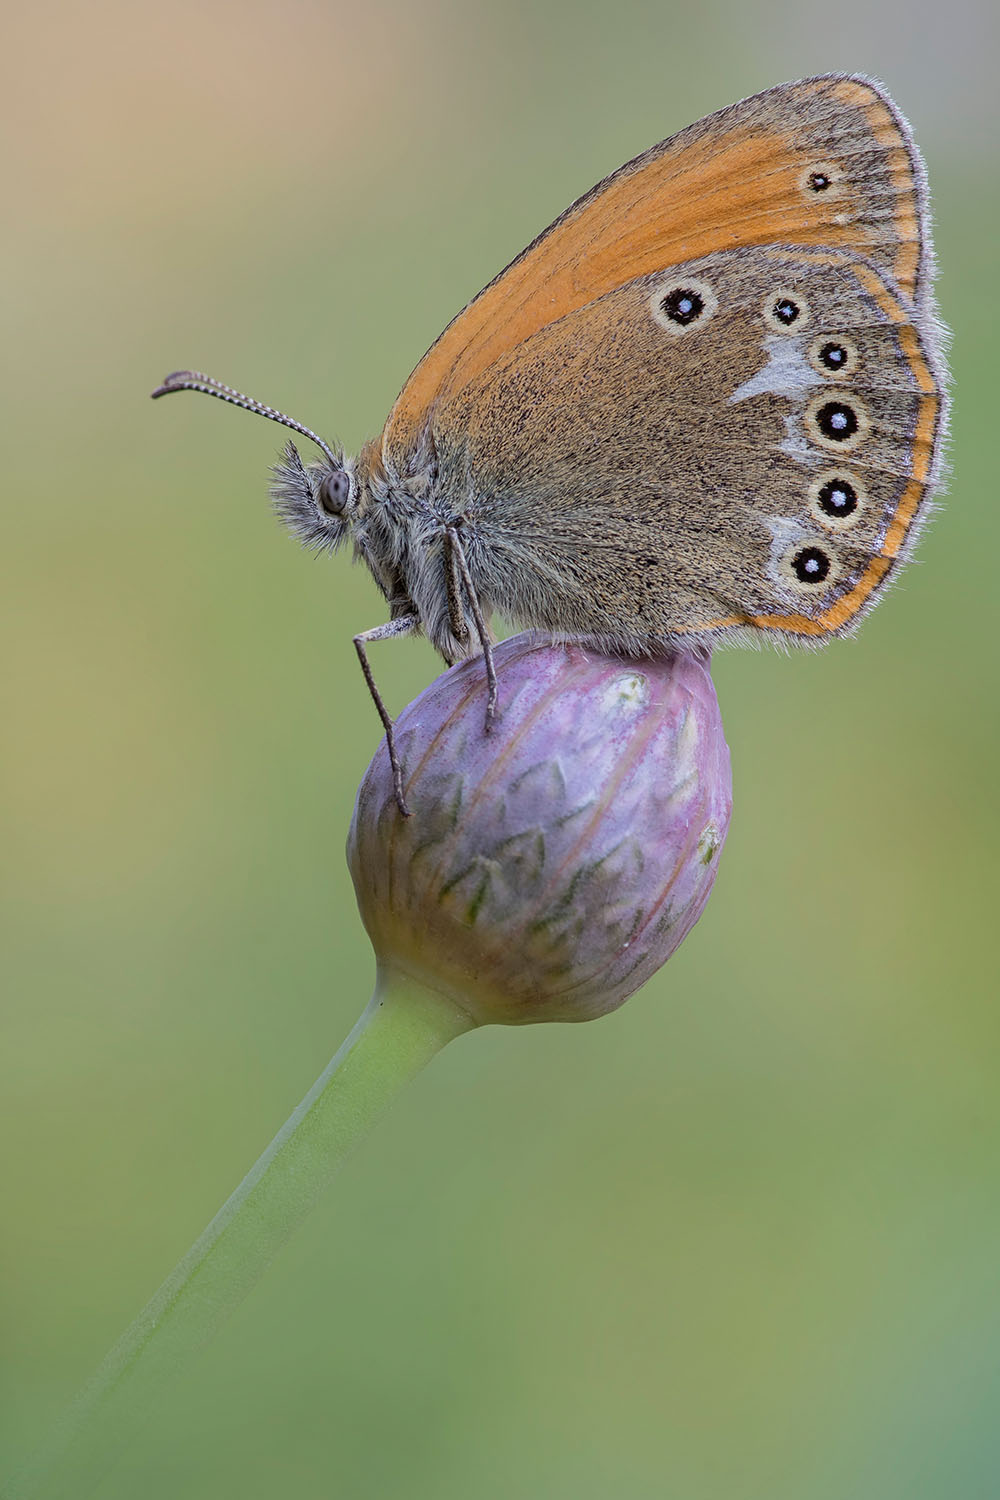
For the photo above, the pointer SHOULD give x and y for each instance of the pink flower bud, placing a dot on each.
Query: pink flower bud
(549, 867)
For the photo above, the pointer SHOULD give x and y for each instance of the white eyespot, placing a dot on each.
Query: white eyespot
(834, 355)
(837, 422)
(822, 180)
(786, 311)
(682, 304)
(785, 374)
(794, 442)
(837, 499)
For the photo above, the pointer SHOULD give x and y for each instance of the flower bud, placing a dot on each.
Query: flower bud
(549, 867)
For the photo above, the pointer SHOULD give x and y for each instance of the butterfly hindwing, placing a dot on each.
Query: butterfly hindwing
(741, 443)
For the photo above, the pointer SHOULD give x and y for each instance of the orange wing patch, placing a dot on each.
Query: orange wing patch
(893, 136)
(739, 178)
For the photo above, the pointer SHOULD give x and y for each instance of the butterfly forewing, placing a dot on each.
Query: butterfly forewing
(824, 162)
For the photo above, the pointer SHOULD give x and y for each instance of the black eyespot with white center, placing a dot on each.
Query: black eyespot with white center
(837, 498)
(683, 305)
(820, 178)
(811, 565)
(786, 310)
(834, 355)
(837, 421)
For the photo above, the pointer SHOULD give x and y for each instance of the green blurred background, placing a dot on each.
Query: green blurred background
(740, 1239)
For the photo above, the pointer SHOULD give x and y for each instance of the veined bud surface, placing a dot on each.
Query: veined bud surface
(550, 867)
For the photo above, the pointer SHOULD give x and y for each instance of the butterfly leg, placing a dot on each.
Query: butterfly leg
(404, 625)
(457, 564)
(456, 614)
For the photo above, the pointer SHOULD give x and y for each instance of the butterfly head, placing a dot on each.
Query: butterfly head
(317, 501)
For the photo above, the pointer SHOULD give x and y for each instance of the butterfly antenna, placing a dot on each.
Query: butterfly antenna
(194, 380)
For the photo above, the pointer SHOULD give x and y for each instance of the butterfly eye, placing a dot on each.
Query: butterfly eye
(834, 356)
(837, 499)
(333, 492)
(786, 311)
(840, 423)
(681, 305)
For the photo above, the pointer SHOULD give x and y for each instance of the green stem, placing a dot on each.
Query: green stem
(403, 1027)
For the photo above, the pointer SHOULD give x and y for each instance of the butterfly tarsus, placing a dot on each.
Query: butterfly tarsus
(404, 625)
(459, 578)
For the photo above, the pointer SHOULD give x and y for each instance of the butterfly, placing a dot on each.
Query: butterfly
(706, 403)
